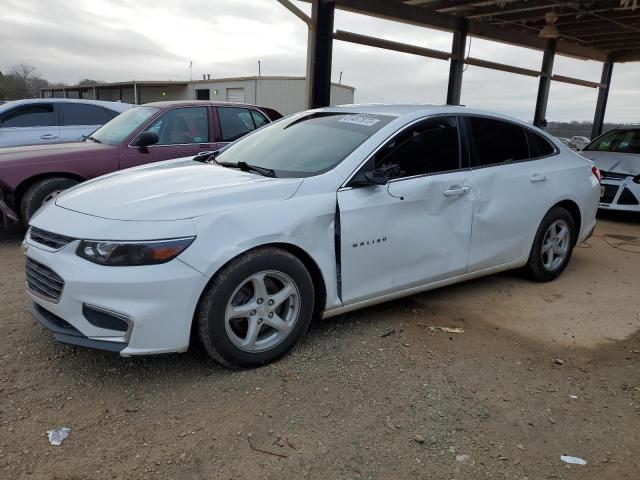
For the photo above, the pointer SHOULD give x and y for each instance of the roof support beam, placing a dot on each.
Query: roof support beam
(539, 117)
(389, 45)
(603, 95)
(319, 75)
(456, 65)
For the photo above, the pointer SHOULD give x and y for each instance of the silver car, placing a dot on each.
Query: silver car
(43, 121)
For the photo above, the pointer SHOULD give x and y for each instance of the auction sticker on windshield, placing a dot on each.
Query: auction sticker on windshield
(359, 120)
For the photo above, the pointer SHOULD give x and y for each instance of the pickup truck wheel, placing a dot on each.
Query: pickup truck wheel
(256, 309)
(42, 192)
(552, 246)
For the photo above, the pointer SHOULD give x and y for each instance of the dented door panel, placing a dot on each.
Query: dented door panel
(406, 233)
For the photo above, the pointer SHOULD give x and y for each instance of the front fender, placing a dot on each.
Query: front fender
(306, 222)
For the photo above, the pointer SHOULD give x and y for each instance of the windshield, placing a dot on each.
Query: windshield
(622, 141)
(116, 130)
(305, 144)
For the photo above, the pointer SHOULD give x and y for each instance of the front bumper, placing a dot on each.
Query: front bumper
(620, 194)
(157, 301)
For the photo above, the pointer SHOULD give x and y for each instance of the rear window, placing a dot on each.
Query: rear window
(85, 114)
(623, 141)
(538, 145)
(497, 141)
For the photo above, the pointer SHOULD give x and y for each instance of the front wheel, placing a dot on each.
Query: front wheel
(256, 309)
(41, 193)
(552, 246)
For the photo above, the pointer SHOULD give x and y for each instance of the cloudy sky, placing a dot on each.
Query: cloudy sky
(116, 40)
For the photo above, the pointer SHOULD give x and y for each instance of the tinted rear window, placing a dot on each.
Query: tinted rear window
(538, 145)
(497, 141)
(84, 114)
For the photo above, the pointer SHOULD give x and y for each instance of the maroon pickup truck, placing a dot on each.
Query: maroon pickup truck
(31, 176)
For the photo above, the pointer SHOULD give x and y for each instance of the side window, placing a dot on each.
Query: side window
(182, 125)
(430, 146)
(538, 146)
(259, 119)
(234, 123)
(41, 115)
(497, 141)
(84, 114)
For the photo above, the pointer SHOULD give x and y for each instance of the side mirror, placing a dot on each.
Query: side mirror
(147, 138)
(379, 176)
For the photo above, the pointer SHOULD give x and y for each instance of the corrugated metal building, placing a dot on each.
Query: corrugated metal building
(285, 94)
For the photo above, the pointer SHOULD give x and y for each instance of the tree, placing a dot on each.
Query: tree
(21, 81)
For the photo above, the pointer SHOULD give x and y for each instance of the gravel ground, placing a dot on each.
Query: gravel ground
(374, 394)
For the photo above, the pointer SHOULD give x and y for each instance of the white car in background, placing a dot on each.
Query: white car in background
(578, 142)
(320, 213)
(617, 155)
(42, 121)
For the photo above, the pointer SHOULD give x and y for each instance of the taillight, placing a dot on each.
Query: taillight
(596, 172)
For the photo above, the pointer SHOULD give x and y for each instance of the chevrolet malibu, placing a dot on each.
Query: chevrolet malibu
(320, 213)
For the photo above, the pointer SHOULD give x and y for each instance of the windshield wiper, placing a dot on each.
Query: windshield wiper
(245, 167)
(93, 139)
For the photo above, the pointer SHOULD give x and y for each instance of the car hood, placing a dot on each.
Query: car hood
(625, 163)
(174, 190)
(42, 153)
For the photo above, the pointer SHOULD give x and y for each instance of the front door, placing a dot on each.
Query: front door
(30, 124)
(182, 132)
(415, 229)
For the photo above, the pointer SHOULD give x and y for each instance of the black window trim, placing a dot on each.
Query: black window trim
(473, 156)
(465, 158)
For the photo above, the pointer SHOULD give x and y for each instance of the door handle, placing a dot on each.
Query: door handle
(538, 178)
(48, 136)
(456, 190)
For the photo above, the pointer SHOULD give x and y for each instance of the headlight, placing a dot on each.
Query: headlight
(127, 254)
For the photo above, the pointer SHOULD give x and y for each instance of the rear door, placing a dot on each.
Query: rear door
(513, 188)
(236, 122)
(31, 124)
(182, 132)
(415, 229)
(78, 120)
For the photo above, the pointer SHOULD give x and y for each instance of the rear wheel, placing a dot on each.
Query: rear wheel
(256, 309)
(552, 246)
(41, 193)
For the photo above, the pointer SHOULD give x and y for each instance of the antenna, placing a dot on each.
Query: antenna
(340, 79)
(259, 69)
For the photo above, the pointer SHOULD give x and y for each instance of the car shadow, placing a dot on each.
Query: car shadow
(619, 216)
(12, 234)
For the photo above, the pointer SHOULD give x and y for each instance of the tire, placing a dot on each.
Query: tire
(36, 195)
(546, 264)
(227, 338)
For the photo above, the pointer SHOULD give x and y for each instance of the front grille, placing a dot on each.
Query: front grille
(614, 176)
(609, 193)
(43, 281)
(627, 198)
(52, 240)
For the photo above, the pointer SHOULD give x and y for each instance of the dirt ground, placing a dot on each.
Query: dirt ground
(541, 370)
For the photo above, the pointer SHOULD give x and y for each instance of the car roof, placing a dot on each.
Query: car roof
(117, 106)
(416, 110)
(172, 103)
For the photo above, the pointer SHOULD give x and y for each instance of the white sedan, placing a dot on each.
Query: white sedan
(42, 121)
(320, 213)
(617, 155)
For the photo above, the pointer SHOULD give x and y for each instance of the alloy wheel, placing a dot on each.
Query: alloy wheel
(555, 245)
(262, 311)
